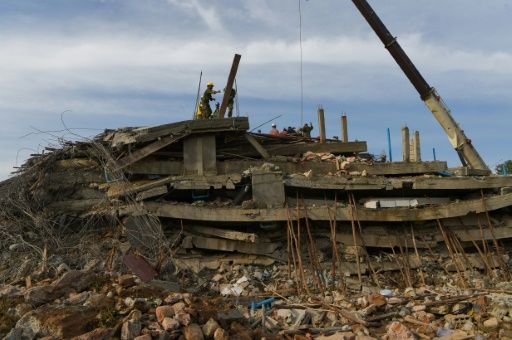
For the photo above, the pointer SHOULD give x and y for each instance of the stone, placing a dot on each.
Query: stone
(491, 323)
(130, 329)
(126, 280)
(378, 300)
(8, 291)
(179, 306)
(143, 337)
(173, 298)
(220, 334)
(170, 324)
(168, 286)
(97, 334)
(58, 321)
(73, 281)
(193, 332)
(163, 312)
(209, 328)
(183, 318)
(398, 331)
(99, 301)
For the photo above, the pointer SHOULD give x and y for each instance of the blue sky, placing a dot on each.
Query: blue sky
(89, 65)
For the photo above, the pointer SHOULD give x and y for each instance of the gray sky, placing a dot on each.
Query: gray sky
(88, 65)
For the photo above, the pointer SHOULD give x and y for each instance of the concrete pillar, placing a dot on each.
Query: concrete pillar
(268, 187)
(415, 147)
(406, 151)
(321, 124)
(344, 129)
(199, 155)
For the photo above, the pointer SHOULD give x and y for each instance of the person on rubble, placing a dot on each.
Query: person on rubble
(216, 112)
(231, 101)
(274, 131)
(206, 99)
(291, 131)
(199, 114)
(306, 130)
(283, 132)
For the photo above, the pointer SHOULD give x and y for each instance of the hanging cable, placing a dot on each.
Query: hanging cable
(301, 85)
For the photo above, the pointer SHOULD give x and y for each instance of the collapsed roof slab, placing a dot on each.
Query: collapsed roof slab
(146, 134)
(343, 213)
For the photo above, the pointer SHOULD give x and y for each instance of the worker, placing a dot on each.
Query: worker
(283, 133)
(231, 101)
(216, 112)
(291, 131)
(206, 98)
(199, 109)
(274, 131)
(306, 130)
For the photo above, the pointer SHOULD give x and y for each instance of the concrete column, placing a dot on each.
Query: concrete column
(406, 151)
(199, 155)
(344, 129)
(321, 124)
(415, 147)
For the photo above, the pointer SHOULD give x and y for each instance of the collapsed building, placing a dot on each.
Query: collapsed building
(214, 192)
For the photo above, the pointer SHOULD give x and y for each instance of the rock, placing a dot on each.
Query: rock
(398, 331)
(130, 329)
(73, 281)
(168, 286)
(7, 291)
(22, 309)
(173, 298)
(337, 336)
(143, 337)
(15, 334)
(58, 321)
(97, 334)
(163, 312)
(491, 323)
(377, 300)
(126, 280)
(99, 301)
(170, 324)
(193, 332)
(220, 334)
(230, 315)
(209, 328)
(183, 318)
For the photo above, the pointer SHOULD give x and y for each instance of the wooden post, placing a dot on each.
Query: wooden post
(229, 85)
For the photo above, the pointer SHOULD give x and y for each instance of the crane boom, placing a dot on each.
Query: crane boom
(467, 153)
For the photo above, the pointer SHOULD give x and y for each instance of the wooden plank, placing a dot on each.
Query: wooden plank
(229, 85)
(141, 153)
(257, 146)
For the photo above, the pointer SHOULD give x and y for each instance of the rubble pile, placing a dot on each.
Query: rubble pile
(261, 303)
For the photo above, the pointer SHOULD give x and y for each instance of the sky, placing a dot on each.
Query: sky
(71, 69)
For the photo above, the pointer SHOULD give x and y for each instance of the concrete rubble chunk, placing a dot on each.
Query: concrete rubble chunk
(131, 329)
(193, 332)
(209, 328)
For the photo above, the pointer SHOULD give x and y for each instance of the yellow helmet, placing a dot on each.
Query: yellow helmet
(209, 83)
